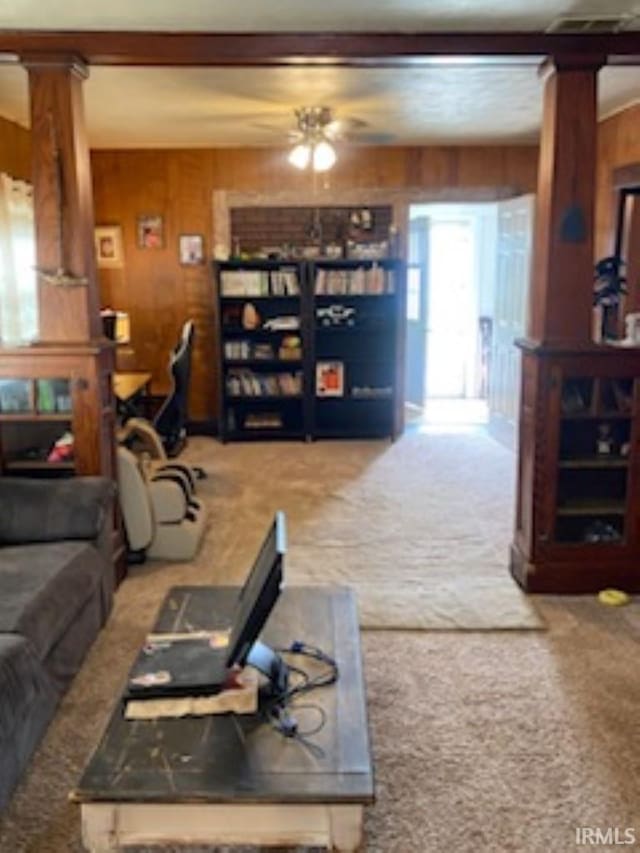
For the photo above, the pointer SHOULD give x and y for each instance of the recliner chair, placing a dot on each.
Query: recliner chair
(162, 518)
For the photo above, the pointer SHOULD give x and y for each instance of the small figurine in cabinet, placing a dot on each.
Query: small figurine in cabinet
(604, 441)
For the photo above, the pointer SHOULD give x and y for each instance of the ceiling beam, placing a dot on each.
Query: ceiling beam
(314, 48)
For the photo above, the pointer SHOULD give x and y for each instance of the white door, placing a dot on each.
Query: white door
(513, 273)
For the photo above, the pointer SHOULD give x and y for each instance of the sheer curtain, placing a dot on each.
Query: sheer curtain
(18, 285)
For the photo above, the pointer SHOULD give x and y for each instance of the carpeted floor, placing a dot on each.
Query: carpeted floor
(420, 528)
(483, 741)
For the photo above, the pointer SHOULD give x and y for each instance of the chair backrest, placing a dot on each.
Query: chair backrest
(135, 503)
(171, 419)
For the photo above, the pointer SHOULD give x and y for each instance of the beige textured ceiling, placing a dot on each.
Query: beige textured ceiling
(265, 15)
(208, 107)
(187, 107)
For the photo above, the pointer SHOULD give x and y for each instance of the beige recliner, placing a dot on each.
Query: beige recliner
(162, 517)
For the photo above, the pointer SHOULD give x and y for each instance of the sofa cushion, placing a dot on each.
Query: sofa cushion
(52, 510)
(43, 588)
(23, 682)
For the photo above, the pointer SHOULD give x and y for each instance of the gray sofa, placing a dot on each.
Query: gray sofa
(56, 591)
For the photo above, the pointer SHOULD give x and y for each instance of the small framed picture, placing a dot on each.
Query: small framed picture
(329, 379)
(191, 249)
(150, 230)
(108, 243)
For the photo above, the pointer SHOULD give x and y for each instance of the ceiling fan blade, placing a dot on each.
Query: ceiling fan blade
(342, 126)
(370, 138)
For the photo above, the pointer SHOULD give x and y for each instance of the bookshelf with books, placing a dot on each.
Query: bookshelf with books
(357, 316)
(262, 349)
(310, 349)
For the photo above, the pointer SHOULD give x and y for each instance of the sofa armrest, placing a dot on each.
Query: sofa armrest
(50, 510)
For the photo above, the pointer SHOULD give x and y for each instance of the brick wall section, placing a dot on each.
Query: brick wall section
(254, 228)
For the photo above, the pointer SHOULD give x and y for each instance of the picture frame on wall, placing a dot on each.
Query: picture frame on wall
(191, 249)
(108, 245)
(150, 231)
(329, 379)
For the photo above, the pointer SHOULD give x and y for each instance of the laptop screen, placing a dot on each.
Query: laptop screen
(259, 594)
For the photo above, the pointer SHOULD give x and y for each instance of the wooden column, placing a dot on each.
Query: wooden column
(71, 342)
(562, 276)
(63, 200)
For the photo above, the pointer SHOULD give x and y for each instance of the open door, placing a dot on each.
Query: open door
(416, 342)
(515, 229)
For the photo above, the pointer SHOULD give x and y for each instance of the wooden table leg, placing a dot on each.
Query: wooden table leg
(346, 828)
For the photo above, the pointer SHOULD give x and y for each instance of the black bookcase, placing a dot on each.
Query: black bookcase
(310, 349)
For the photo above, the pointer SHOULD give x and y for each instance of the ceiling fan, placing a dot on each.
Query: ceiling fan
(316, 131)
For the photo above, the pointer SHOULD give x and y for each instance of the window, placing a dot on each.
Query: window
(18, 285)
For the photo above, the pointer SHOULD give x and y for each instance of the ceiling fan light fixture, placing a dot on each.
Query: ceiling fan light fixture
(324, 156)
(300, 155)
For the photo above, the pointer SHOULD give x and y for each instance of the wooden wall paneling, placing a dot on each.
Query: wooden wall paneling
(618, 145)
(15, 150)
(191, 182)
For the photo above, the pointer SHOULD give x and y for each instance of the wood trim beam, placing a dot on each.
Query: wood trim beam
(325, 48)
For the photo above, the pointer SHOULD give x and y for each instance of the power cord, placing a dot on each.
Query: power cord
(277, 710)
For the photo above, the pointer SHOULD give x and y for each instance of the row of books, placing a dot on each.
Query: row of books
(362, 280)
(244, 349)
(246, 383)
(281, 282)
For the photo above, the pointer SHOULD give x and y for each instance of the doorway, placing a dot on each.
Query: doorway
(451, 283)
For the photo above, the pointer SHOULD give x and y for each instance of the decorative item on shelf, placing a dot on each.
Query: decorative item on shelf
(604, 441)
(62, 450)
(329, 379)
(288, 323)
(609, 288)
(333, 251)
(601, 531)
(367, 251)
(290, 348)
(250, 317)
(336, 315)
(632, 329)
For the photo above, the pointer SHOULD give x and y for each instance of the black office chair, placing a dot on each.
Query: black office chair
(171, 420)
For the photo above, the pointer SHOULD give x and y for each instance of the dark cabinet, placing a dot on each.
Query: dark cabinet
(578, 507)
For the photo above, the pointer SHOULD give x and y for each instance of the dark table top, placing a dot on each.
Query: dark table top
(241, 758)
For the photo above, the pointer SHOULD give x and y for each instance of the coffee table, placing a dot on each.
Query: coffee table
(232, 779)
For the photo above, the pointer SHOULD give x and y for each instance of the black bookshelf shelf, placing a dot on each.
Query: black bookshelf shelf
(365, 353)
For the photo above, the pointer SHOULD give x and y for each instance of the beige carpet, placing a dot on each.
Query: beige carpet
(419, 528)
(482, 741)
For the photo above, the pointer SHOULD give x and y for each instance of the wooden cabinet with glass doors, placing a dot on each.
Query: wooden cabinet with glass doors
(578, 511)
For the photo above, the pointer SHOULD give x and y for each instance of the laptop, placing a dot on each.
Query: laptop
(199, 664)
